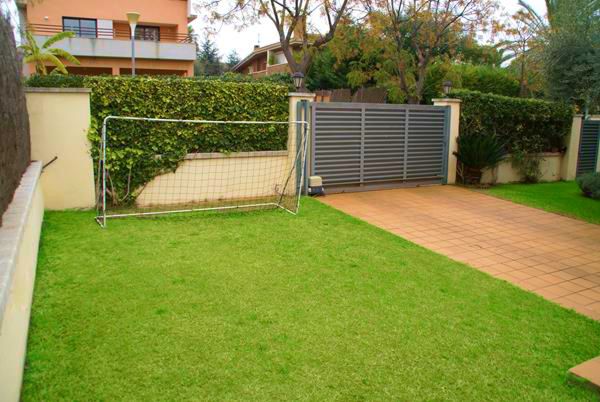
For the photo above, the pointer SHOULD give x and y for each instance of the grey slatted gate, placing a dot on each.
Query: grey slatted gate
(588, 147)
(365, 146)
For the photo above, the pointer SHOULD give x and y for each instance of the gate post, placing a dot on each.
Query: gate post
(568, 167)
(452, 146)
(298, 110)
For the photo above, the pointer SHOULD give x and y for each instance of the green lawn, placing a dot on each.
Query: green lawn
(268, 306)
(563, 197)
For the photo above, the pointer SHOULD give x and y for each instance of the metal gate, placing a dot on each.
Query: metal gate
(367, 146)
(588, 147)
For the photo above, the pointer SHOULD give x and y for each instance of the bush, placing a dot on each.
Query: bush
(55, 81)
(77, 81)
(515, 121)
(589, 184)
(487, 79)
(476, 153)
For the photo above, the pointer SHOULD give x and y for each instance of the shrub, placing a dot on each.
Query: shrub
(487, 79)
(476, 153)
(55, 81)
(77, 81)
(515, 120)
(589, 184)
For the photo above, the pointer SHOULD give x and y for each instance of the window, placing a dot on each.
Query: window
(144, 32)
(279, 58)
(83, 27)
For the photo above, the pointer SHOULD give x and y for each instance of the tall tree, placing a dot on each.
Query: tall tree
(209, 59)
(572, 54)
(297, 21)
(416, 32)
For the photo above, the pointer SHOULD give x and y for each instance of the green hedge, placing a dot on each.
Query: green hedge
(139, 151)
(77, 81)
(518, 122)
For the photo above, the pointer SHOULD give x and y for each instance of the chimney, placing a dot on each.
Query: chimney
(256, 47)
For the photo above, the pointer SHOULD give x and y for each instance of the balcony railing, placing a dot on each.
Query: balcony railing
(104, 33)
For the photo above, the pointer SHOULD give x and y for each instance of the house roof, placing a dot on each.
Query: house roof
(260, 50)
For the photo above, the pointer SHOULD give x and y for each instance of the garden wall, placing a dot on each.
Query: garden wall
(505, 173)
(19, 237)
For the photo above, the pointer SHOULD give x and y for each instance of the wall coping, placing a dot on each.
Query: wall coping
(13, 227)
(302, 94)
(447, 100)
(219, 155)
(58, 90)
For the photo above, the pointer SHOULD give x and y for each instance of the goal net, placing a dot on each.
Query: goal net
(161, 166)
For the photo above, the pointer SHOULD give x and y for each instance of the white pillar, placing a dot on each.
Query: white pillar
(454, 105)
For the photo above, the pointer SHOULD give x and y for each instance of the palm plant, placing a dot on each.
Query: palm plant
(476, 153)
(47, 54)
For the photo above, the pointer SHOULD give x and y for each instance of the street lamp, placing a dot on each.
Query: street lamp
(447, 87)
(298, 78)
(133, 18)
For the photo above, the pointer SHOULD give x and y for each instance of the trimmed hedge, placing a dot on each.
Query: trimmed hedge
(138, 151)
(516, 121)
(77, 81)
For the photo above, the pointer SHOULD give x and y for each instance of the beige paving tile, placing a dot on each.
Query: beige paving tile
(554, 256)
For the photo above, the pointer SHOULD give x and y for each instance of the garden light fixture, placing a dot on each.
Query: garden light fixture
(133, 18)
(447, 87)
(298, 78)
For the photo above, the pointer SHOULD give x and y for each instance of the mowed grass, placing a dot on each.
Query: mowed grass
(268, 306)
(563, 197)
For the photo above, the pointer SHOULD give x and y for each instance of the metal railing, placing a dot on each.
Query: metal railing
(105, 33)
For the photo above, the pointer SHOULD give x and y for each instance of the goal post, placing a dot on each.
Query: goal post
(146, 177)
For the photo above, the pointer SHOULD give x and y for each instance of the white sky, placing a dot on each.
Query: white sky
(228, 38)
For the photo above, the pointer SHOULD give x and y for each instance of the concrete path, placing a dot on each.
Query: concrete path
(551, 255)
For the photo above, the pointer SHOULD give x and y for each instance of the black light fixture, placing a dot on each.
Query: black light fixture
(298, 78)
(447, 87)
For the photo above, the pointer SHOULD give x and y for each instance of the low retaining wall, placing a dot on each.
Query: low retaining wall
(209, 177)
(19, 240)
(506, 173)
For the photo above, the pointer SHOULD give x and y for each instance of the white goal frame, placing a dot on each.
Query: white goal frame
(302, 130)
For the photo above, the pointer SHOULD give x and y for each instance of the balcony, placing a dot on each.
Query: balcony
(103, 42)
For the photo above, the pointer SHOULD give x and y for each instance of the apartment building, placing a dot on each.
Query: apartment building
(102, 41)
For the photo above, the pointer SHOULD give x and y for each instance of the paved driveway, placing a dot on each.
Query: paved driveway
(551, 255)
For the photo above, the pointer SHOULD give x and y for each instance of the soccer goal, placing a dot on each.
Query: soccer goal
(156, 166)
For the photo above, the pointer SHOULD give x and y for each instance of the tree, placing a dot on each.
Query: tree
(415, 33)
(46, 54)
(208, 58)
(572, 55)
(291, 19)
(232, 59)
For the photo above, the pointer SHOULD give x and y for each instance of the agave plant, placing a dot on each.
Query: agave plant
(40, 56)
(476, 153)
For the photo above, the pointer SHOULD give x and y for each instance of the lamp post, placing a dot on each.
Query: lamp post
(447, 87)
(298, 78)
(133, 18)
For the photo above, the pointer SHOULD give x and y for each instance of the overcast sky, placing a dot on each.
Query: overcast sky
(229, 38)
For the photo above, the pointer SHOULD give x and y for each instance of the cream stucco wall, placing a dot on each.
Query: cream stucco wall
(505, 173)
(59, 120)
(19, 237)
(213, 177)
